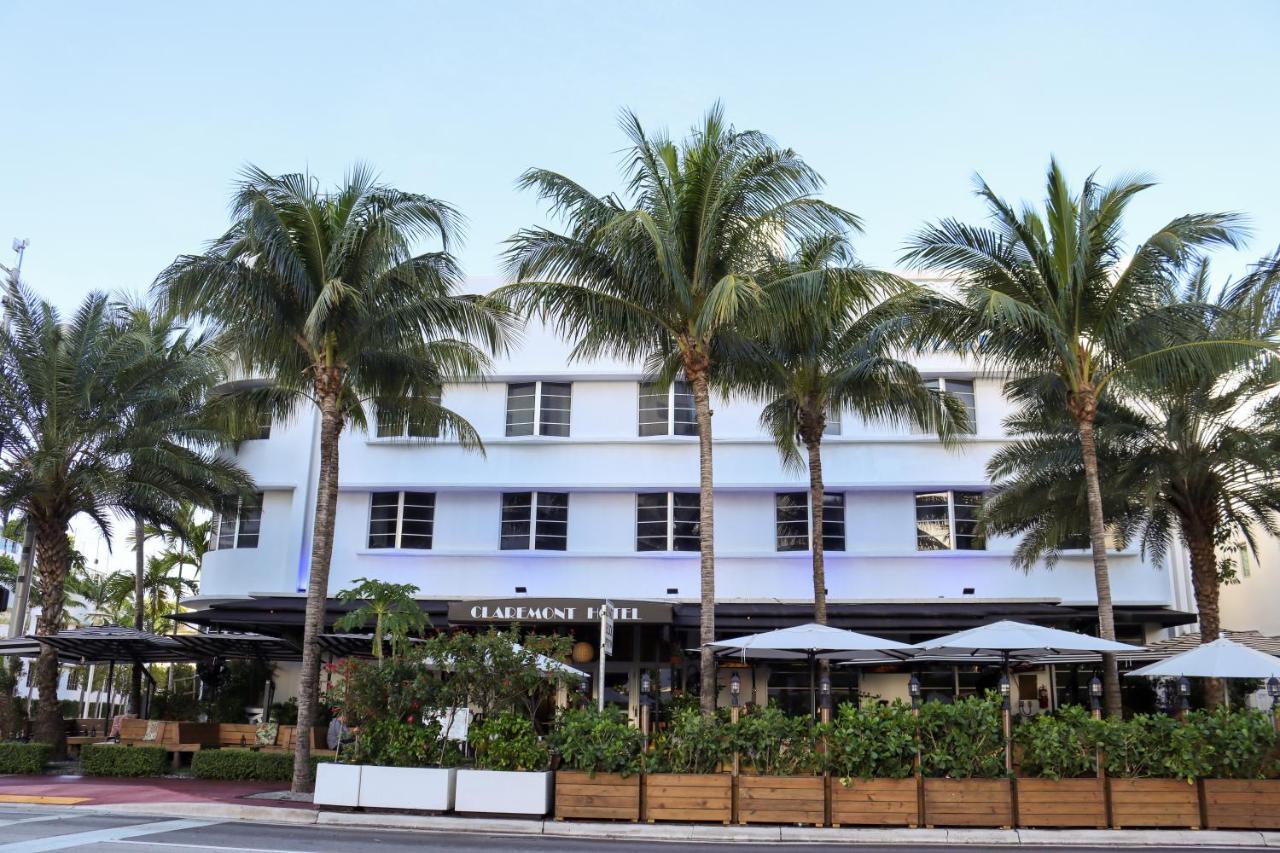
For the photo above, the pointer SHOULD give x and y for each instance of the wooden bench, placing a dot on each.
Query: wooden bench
(237, 735)
(177, 738)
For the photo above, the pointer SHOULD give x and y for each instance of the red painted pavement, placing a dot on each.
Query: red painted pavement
(99, 791)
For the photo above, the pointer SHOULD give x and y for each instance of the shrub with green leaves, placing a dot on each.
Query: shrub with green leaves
(963, 739)
(692, 743)
(1234, 744)
(25, 758)
(875, 742)
(113, 759)
(244, 765)
(1060, 745)
(507, 741)
(400, 743)
(770, 743)
(596, 741)
(1152, 745)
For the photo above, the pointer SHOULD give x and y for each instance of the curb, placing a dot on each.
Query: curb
(679, 832)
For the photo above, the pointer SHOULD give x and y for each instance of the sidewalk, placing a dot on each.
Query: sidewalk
(193, 798)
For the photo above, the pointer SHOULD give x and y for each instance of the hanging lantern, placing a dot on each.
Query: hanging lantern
(583, 652)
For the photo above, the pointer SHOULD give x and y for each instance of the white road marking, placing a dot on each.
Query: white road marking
(99, 836)
(191, 845)
(31, 819)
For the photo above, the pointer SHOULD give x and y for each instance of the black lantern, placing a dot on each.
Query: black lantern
(913, 687)
(1004, 688)
(1273, 689)
(735, 688)
(824, 691)
(645, 684)
(1184, 693)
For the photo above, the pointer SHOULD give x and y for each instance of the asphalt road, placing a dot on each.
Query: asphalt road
(29, 830)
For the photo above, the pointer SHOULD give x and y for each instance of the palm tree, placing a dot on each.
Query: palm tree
(159, 586)
(102, 416)
(321, 297)
(1051, 295)
(390, 606)
(663, 274)
(836, 357)
(1190, 459)
(186, 541)
(96, 595)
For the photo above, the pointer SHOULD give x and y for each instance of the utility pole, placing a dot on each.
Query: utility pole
(26, 560)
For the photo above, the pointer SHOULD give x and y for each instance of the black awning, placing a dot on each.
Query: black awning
(238, 645)
(111, 642)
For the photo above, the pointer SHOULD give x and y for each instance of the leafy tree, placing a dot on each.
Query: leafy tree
(323, 301)
(837, 356)
(1191, 458)
(663, 273)
(104, 415)
(1052, 295)
(159, 586)
(390, 606)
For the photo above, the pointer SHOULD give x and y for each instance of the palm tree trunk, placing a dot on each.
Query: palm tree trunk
(318, 582)
(1101, 574)
(817, 493)
(139, 569)
(53, 554)
(1204, 581)
(706, 535)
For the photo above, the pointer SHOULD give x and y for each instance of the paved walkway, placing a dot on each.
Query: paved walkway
(92, 791)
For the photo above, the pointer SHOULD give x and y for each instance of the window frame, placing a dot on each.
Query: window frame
(953, 537)
(808, 520)
(678, 387)
(397, 540)
(537, 424)
(533, 521)
(220, 517)
(406, 425)
(940, 383)
(669, 523)
(262, 427)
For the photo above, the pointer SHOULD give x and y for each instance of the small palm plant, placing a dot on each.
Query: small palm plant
(392, 609)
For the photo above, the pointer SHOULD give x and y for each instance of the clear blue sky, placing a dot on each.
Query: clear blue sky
(124, 124)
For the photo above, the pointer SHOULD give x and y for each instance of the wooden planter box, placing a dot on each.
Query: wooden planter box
(968, 802)
(1062, 803)
(1154, 802)
(1242, 803)
(603, 796)
(875, 802)
(781, 799)
(688, 797)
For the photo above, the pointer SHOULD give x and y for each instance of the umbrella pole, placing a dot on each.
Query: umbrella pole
(1008, 744)
(111, 677)
(813, 685)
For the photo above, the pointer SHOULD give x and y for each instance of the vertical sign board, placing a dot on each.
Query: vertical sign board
(606, 647)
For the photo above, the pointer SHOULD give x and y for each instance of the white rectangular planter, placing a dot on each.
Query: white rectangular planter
(420, 788)
(337, 785)
(504, 792)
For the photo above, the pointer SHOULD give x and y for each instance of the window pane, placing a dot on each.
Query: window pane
(382, 519)
(963, 390)
(792, 521)
(686, 512)
(653, 409)
(686, 419)
(389, 426)
(833, 521)
(419, 427)
(418, 522)
(551, 528)
(833, 422)
(516, 525)
(555, 408)
(967, 508)
(264, 426)
(227, 528)
(250, 522)
(520, 408)
(933, 524)
(651, 521)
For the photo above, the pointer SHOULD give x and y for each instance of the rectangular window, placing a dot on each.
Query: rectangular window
(74, 676)
(401, 519)
(667, 411)
(961, 389)
(833, 422)
(263, 427)
(539, 408)
(667, 521)
(792, 521)
(237, 523)
(536, 521)
(948, 521)
(391, 426)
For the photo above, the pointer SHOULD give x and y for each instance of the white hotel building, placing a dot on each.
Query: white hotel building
(587, 490)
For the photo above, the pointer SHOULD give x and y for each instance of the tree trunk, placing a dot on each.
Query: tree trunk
(317, 582)
(1204, 581)
(1098, 543)
(816, 495)
(706, 534)
(139, 572)
(53, 553)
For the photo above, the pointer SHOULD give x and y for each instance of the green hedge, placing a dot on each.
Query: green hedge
(113, 759)
(245, 765)
(28, 758)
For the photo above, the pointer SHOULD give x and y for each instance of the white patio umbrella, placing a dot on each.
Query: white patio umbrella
(1016, 639)
(1223, 658)
(810, 642)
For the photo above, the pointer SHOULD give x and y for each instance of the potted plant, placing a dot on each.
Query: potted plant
(779, 765)
(684, 774)
(962, 759)
(1059, 785)
(511, 774)
(1152, 762)
(870, 755)
(1240, 788)
(599, 765)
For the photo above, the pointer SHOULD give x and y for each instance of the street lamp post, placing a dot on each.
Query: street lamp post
(1005, 689)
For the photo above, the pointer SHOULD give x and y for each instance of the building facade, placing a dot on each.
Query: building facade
(587, 490)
